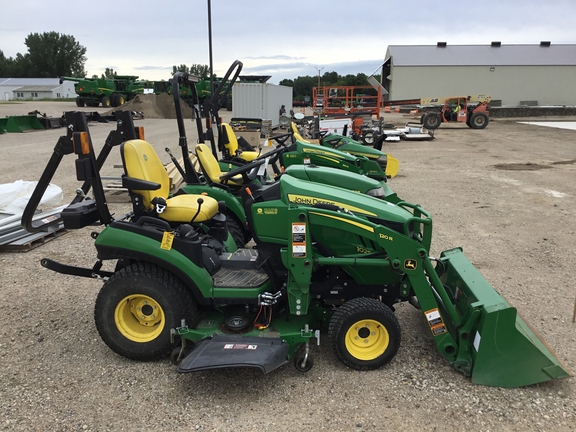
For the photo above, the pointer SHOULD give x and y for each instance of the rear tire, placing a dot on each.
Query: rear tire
(368, 138)
(478, 120)
(364, 333)
(431, 120)
(79, 102)
(105, 101)
(137, 307)
(240, 235)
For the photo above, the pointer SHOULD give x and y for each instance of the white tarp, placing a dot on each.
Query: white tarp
(15, 196)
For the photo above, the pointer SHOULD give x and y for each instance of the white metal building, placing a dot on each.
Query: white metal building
(543, 74)
(35, 88)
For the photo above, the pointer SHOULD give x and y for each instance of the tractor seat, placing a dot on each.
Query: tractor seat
(210, 167)
(146, 179)
(298, 137)
(232, 146)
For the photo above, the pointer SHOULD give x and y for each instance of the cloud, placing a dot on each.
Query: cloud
(275, 57)
(152, 68)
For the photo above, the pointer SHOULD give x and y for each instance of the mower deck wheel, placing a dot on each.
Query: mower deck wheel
(137, 307)
(364, 333)
(299, 359)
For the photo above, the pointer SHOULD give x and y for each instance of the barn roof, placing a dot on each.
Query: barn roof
(495, 54)
(38, 88)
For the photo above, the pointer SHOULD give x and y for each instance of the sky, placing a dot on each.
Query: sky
(284, 39)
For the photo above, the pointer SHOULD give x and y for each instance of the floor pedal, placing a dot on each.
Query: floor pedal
(239, 278)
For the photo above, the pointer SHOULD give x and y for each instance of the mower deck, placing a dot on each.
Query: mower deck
(224, 351)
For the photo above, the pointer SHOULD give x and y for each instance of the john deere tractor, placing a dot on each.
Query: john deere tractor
(328, 262)
(224, 179)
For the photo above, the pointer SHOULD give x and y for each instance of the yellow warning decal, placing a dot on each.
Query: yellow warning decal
(167, 239)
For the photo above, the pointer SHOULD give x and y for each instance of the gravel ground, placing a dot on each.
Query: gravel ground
(514, 223)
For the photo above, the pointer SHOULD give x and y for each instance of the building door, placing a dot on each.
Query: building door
(6, 96)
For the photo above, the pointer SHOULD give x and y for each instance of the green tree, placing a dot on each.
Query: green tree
(181, 68)
(52, 54)
(203, 71)
(329, 78)
(109, 73)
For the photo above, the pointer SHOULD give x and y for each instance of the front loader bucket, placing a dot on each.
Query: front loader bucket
(504, 350)
(21, 123)
(392, 166)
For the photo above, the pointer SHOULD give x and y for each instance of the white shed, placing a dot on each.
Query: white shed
(542, 74)
(35, 88)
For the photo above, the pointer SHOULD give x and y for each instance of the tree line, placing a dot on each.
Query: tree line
(52, 55)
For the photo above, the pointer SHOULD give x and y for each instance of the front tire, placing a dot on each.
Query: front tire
(478, 120)
(431, 120)
(364, 333)
(79, 102)
(105, 101)
(137, 307)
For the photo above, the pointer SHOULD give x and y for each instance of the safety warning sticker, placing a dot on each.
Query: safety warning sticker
(435, 322)
(438, 329)
(232, 346)
(167, 239)
(298, 240)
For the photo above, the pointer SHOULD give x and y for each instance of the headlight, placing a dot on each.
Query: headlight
(377, 192)
(383, 162)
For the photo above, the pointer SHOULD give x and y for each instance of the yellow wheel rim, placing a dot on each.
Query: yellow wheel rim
(367, 339)
(139, 318)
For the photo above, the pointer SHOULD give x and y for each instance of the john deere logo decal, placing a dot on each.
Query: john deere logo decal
(145, 157)
(410, 264)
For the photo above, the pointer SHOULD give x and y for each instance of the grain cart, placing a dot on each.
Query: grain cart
(106, 91)
(326, 259)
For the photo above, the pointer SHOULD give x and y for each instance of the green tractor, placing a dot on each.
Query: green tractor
(327, 261)
(106, 91)
(225, 179)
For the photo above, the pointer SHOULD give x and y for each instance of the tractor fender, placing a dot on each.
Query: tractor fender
(114, 243)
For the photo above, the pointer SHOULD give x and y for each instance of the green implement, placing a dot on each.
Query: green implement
(20, 123)
(504, 350)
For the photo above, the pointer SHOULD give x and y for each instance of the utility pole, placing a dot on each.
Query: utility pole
(319, 70)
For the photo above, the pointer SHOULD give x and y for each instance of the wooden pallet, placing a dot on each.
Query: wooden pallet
(31, 241)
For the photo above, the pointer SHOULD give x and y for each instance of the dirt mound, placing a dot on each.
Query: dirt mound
(154, 106)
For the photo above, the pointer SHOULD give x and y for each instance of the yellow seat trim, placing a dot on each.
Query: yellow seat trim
(142, 162)
(210, 166)
(233, 147)
(182, 208)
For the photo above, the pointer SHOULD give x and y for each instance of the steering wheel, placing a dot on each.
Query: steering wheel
(244, 170)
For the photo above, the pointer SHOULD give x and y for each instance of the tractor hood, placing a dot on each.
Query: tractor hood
(325, 152)
(303, 192)
(337, 177)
